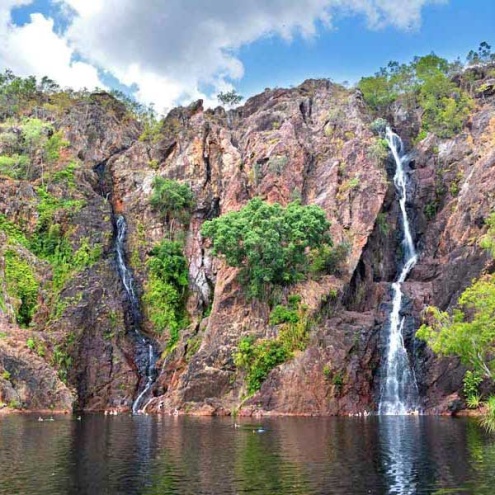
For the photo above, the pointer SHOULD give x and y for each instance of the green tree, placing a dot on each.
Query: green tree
(230, 98)
(426, 82)
(482, 55)
(268, 242)
(172, 199)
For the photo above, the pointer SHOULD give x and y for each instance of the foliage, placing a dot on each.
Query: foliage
(152, 131)
(229, 98)
(328, 260)
(259, 359)
(14, 166)
(470, 331)
(268, 242)
(473, 401)
(426, 82)
(482, 55)
(382, 223)
(22, 285)
(378, 150)
(472, 380)
(166, 289)
(62, 361)
(172, 199)
(14, 233)
(378, 126)
(488, 418)
(283, 314)
(66, 175)
(488, 240)
(430, 210)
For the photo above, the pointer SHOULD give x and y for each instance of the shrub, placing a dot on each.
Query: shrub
(329, 260)
(268, 242)
(488, 418)
(166, 289)
(283, 314)
(259, 359)
(378, 126)
(22, 285)
(172, 199)
(15, 166)
(472, 380)
(425, 81)
(378, 151)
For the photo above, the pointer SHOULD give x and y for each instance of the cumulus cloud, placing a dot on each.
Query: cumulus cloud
(169, 49)
(35, 49)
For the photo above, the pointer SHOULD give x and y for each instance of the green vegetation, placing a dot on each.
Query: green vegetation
(229, 98)
(21, 285)
(488, 418)
(472, 381)
(481, 56)
(469, 332)
(268, 242)
(328, 260)
(166, 289)
(258, 357)
(28, 142)
(378, 151)
(50, 243)
(426, 82)
(172, 199)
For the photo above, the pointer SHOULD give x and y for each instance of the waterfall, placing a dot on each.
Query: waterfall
(399, 391)
(145, 353)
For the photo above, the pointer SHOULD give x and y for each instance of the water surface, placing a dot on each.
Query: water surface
(176, 455)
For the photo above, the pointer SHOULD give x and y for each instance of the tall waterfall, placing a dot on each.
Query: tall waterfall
(399, 391)
(145, 353)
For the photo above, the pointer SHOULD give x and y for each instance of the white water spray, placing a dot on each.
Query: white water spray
(146, 355)
(399, 391)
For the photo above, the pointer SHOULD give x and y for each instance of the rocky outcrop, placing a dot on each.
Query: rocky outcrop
(311, 143)
(27, 381)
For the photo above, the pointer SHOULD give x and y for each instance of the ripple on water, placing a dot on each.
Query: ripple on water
(180, 455)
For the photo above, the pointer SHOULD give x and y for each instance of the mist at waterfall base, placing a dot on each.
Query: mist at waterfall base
(398, 390)
(293, 456)
(145, 355)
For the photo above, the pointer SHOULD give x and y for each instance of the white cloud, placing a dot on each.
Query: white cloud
(35, 49)
(171, 48)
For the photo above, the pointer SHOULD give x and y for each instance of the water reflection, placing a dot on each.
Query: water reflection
(170, 455)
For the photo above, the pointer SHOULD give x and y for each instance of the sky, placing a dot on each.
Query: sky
(171, 52)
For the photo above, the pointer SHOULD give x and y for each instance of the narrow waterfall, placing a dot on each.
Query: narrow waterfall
(399, 391)
(145, 352)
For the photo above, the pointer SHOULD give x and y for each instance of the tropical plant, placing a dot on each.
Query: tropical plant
(268, 242)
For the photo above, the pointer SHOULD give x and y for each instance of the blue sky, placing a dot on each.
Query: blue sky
(173, 51)
(351, 50)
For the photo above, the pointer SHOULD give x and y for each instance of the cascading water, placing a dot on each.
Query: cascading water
(145, 353)
(399, 391)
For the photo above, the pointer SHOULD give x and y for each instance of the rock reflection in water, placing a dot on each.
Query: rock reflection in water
(176, 455)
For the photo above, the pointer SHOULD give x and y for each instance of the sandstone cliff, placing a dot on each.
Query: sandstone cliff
(311, 143)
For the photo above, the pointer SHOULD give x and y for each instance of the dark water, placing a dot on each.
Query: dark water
(169, 455)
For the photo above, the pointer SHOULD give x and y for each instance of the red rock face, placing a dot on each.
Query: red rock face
(310, 143)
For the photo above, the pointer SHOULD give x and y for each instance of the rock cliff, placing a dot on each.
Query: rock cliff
(311, 143)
